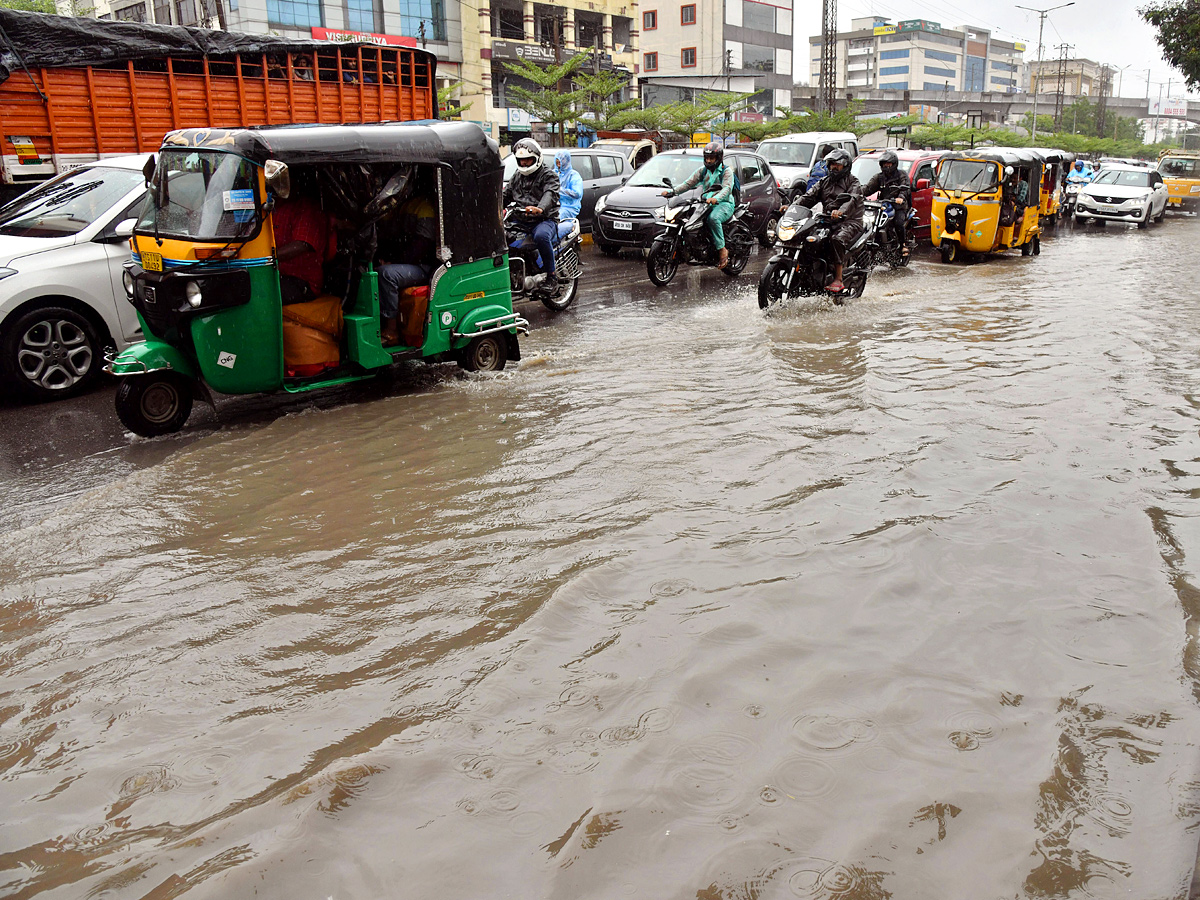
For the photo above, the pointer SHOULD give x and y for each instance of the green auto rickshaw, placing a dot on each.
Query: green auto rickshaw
(210, 279)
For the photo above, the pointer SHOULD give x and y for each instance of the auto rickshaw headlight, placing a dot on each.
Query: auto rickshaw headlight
(192, 292)
(127, 282)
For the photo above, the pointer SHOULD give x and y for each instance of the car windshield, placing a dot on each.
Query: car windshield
(1124, 178)
(1180, 168)
(202, 195)
(966, 175)
(68, 204)
(679, 168)
(786, 153)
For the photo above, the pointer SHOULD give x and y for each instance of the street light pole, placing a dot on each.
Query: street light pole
(1042, 13)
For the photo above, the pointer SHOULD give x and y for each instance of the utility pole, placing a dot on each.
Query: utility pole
(1102, 100)
(1042, 13)
(1064, 51)
(829, 56)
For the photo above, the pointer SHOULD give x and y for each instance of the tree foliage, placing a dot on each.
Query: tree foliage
(1178, 25)
(445, 97)
(549, 103)
(596, 97)
(958, 137)
(38, 6)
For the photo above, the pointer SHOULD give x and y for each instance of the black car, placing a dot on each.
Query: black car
(631, 216)
(602, 171)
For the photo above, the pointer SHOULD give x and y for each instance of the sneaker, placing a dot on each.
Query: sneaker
(835, 287)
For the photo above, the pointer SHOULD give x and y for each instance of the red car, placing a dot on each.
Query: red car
(920, 166)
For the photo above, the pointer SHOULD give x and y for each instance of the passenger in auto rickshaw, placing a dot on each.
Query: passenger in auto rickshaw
(408, 242)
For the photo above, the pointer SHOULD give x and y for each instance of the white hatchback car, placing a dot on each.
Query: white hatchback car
(1123, 194)
(63, 246)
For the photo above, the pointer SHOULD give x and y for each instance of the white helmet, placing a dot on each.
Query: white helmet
(528, 154)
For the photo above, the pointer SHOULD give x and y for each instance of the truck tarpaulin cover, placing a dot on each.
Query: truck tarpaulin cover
(42, 41)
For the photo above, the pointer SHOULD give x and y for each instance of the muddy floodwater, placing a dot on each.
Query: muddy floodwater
(897, 600)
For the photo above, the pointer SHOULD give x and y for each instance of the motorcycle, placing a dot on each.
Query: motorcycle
(885, 246)
(802, 264)
(686, 240)
(526, 273)
(1071, 197)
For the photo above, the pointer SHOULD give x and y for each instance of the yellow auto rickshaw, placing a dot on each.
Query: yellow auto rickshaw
(1054, 175)
(987, 201)
(1180, 170)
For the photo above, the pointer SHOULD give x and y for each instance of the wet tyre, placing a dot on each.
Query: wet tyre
(1027, 247)
(771, 283)
(739, 241)
(154, 404)
(767, 237)
(50, 353)
(661, 265)
(562, 301)
(608, 249)
(1037, 246)
(486, 353)
(949, 251)
(853, 287)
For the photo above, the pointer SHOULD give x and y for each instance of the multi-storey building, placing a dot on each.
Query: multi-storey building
(920, 55)
(1072, 76)
(692, 47)
(542, 33)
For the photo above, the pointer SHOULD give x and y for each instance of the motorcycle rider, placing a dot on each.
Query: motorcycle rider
(891, 184)
(715, 177)
(570, 192)
(1080, 173)
(849, 214)
(534, 189)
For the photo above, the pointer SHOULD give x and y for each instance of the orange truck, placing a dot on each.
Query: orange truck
(74, 90)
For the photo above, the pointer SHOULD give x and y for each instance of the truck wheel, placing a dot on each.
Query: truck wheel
(154, 404)
(486, 353)
(50, 353)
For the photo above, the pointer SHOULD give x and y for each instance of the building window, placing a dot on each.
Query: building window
(944, 57)
(934, 86)
(185, 12)
(894, 54)
(649, 20)
(758, 59)
(131, 13)
(650, 62)
(940, 73)
(687, 57)
(508, 24)
(894, 70)
(162, 12)
(687, 15)
(758, 16)
(361, 16)
(414, 13)
(297, 13)
(894, 86)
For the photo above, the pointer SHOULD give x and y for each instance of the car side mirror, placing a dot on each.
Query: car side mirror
(148, 169)
(923, 184)
(118, 234)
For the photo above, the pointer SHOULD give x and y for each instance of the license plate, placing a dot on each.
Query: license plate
(152, 262)
(622, 226)
(1107, 209)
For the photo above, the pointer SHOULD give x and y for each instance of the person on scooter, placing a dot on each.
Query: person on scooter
(892, 184)
(1080, 173)
(570, 192)
(848, 214)
(716, 180)
(534, 190)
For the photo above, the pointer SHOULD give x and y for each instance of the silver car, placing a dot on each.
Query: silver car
(62, 300)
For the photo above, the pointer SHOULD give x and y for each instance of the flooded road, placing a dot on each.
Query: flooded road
(895, 600)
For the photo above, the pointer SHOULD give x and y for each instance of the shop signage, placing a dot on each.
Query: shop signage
(921, 25)
(394, 40)
(518, 120)
(1169, 108)
(886, 29)
(534, 53)
(1019, 47)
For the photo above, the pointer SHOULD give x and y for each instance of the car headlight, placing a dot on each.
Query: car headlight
(786, 231)
(5, 272)
(127, 282)
(601, 203)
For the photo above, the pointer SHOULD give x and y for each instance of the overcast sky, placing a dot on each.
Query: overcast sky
(1107, 31)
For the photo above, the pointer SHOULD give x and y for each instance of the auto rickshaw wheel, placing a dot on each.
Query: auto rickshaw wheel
(486, 353)
(949, 251)
(154, 404)
(1037, 246)
(1027, 247)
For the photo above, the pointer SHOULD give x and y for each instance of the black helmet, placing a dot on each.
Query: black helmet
(714, 153)
(888, 161)
(528, 155)
(838, 157)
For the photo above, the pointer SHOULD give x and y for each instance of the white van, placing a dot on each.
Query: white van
(792, 156)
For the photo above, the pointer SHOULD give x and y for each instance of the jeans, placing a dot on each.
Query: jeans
(393, 277)
(720, 214)
(543, 235)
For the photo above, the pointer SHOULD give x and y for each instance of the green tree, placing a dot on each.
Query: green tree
(38, 6)
(550, 103)
(651, 118)
(1178, 24)
(689, 116)
(596, 97)
(448, 108)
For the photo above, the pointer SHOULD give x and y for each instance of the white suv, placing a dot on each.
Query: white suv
(792, 156)
(63, 246)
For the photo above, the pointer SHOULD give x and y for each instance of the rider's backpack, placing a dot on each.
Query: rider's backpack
(737, 185)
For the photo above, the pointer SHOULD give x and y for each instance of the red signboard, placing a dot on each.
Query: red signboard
(329, 34)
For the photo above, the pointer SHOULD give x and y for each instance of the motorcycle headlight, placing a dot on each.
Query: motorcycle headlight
(670, 212)
(786, 231)
(601, 203)
(661, 212)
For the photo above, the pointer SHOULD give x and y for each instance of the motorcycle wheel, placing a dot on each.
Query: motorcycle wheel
(853, 286)
(154, 404)
(949, 251)
(661, 265)
(770, 283)
(739, 242)
(561, 301)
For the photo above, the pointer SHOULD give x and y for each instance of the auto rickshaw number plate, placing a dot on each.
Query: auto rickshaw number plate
(152, 262)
